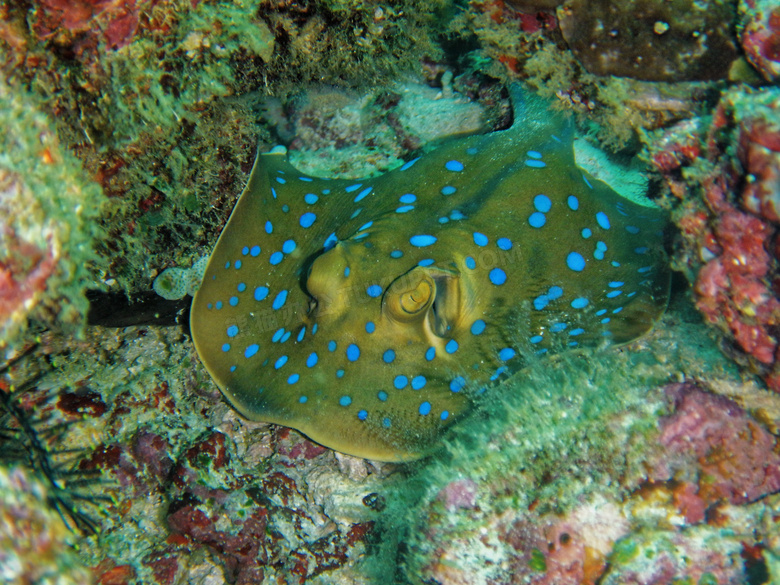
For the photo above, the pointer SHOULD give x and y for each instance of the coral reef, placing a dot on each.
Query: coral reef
(571, 487)
(651, 40)
(722, 170)
(129, 129)
(48, 228)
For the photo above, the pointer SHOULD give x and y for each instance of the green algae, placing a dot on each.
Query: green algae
(49, 216)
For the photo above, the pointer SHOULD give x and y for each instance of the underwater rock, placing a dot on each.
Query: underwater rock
(48, 227)
(651, 40)
(724, 170)
(35, 544)
(759, 35)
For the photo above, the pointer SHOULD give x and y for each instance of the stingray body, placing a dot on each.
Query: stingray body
(368, 313)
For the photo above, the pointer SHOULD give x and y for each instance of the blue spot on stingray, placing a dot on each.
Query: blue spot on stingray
(227, 265)
(261, 292)
(389, 356)
(601, 312)
(555, 292)
(579, 303)
(269, 227)
(470, 263)
(575, 262)
(404, 208)
(237, 264)
(534, 154)
(455, 215)
(353, 352)
(362, 414)
(346, 272)
(407, 198)
(232, 331)
(288, 246)
(374, 291)
(575, 332)
(537, 219)
(303, 399)
(330, 241)
(382, 395)
(445, 414)
(574, 203)
(345, 401)
(400, 382)
(408, 164)
(312, 360)
(536, 164)
(339, 373)
(354, 187)
(280, 180)
(453, 165)
(444, 219)
(615, 284)
(632, 229)
(458, 383)
(644, 269)
(541, 302)
(331, 346)
(615, 264)
(448, 190)
(641, 250)
(586, 233)
(477, 327)
(280, 300)
(225, 347)
(233, 301)
(310, 198)
(254, 251)
(275, 258)
(285, 208)
(602, 220)
(497, 276)
(506, 354)
(396, 254)
(425, 408)
(542, 203)
(245, 250)
(426, 262)
(422, 240)
(558, 327)
(219, 304)
(430, 353)
(605, 320)
(480, 239)
(363, 194)
(536, 339)
(451, 347)
(418, 382)
(251, 350)
(293, 379)
(241, 287)
(504, 243)
(286, 336)
(386, 422)
(307, 219)
(280, 362)
(370, 327)
(614, 293)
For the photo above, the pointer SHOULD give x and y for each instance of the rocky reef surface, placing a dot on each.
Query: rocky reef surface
(129, 129)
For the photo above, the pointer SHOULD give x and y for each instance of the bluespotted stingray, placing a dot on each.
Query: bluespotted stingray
(368, 314)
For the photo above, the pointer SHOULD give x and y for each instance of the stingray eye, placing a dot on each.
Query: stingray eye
(410, 295)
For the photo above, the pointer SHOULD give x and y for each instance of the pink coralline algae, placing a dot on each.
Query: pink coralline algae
(111, 21)
(717, 451)
(725, 173)
(760, 36)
